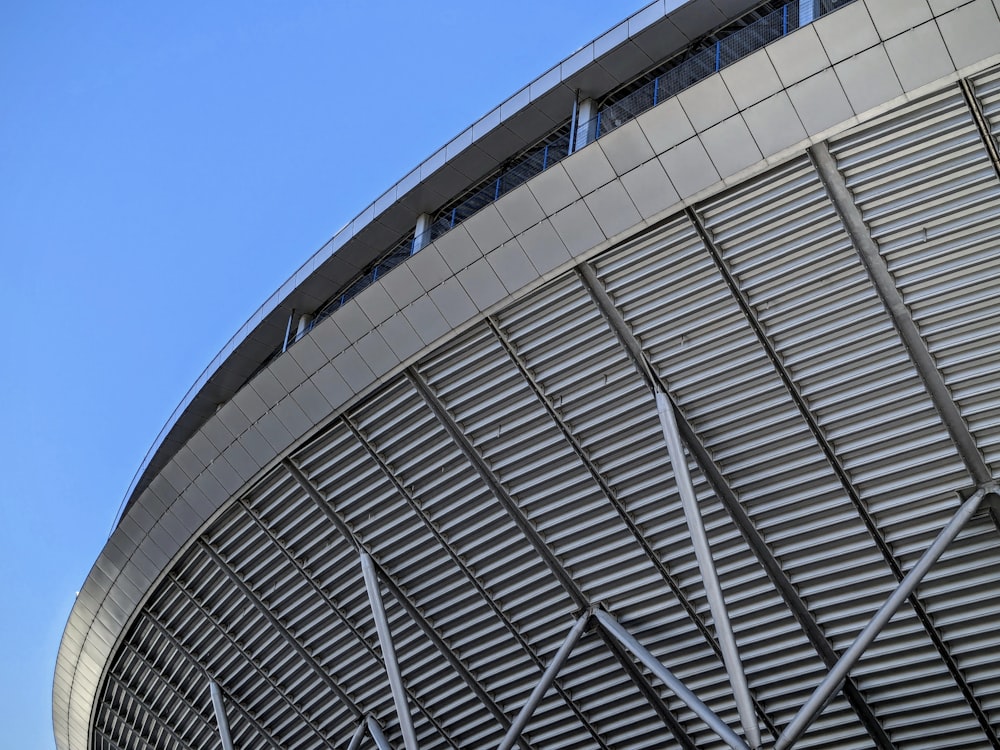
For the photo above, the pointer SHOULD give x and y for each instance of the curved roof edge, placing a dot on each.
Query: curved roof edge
(138, 553)
(649, 35)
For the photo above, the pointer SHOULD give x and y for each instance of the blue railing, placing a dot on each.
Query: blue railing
(556, 146)
(706, 62)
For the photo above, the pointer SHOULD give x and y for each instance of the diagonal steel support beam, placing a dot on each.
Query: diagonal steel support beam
(892, 299)
(616, 503)
(534, 538)
(755, 541)
(358, 735)
(846, 482)
(706, 565)
(699, 537)
(832, 682)
(548, 677)
(976, 110)
(220, 715)
(411, 609)
(371, 726)
(377, 734)
(388, 652)
(717, 725)
(469, 574)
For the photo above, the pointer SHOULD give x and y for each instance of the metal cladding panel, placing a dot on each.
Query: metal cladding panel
(556, 336)
(926, 186)
(673, 298)
(452, 573)
(941, 252)
(782, 241)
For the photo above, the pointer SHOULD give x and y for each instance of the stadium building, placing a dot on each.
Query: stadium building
(659, 408)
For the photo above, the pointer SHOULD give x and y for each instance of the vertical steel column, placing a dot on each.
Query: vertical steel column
(717, 725)
(288, 331)
(706, 565)
(571, 147)
(548, 677)
(388, 652)
(220, 715)
(832, 682)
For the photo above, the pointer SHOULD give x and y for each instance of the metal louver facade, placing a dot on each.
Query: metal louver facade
(823, 315)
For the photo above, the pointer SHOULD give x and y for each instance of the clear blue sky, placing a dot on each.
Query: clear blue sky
(163, 168)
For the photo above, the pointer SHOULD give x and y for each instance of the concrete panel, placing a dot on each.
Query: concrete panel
(543, 247)
(311, 401)
(267, 387)
(820, 102)
(258, 448)
(553, 189)
(868, 79)
(235, 421)
(626, 147)
(487, 229)
(429, 267)
(352, 321)
(588, 168)
(218, 435)
(919, 56)
(892, 17)
(942, 6)
(400, 336)
(190, 463)
(707, 102)
(971, 33)
(287, 372)
(519, 209)
(511, 265)
(730, 146)
(665, 125)
(846, 32)
(689, 168)
(482, 285)
(308, 355)
(273, 430)
(242, 462)
(426, 320)
(331, 384)
(797, 56)
(577, 228)
(453, 302)
(774, 124)
(751, 79)
(175, 476)
(402, 286)
(376, 353)
(376, 303)
(228, 478)
(457, 249)
(611, 207)
(214, 492)
(353, 369)
(649, 188)
(329, 338)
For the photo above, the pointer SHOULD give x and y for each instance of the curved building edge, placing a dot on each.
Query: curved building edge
(198, 464)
